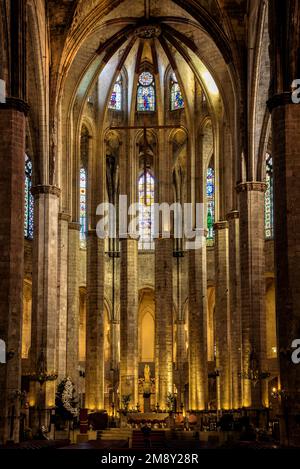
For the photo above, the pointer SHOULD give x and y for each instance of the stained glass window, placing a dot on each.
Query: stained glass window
(177, 101)
(116, 96)
(210, 195)
(83, 188)
(29, 200)
(146, 92)
(146, 217)
(269, 201)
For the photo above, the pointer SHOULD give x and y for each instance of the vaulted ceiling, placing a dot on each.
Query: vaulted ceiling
(191, 36)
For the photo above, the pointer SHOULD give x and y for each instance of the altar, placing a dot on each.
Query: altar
(159, 419)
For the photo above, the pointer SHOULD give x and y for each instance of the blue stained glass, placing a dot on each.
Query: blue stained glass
(146, 92)
(146, 98)
(28, 200)
(210, 193)
(146, 218)
(83, 187)
(177, 101)
(269, 199)
(116, 96)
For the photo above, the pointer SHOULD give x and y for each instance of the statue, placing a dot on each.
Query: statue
(147, 373)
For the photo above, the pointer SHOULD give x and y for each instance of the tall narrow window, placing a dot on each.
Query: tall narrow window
(83, 186)
(210, 194)
(116, 96)
(146, 218)
(177, 101)
(146, 92)
(269, 199)
(29, 201)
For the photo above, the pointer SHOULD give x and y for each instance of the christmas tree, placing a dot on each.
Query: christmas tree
(66, 403)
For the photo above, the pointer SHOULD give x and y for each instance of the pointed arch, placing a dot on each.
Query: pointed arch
(146, 189)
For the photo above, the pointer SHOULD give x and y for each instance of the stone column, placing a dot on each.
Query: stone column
(222, 315)
(197, 279)
(129, 319)
(163, 272)
(180, 361)
(198, 374)
(252, 270)
(164, 319)
(286, 160)
(129, 300)
(115, 355)
(95, 322)
(45, 314)
(235, 308)
(12, 151)
(62, 294)
(73, 303)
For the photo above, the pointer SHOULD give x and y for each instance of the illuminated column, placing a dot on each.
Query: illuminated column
(95, 322)
(197, 278)
(115, 354)
(129, 300)
(164, 319)
(252, 265)
(222, 315)
(163, 280)
(73, 303)
(198, 377)
(62, 294)
(129, 319)
(44, 294)
(180, 361)
(94, 370)
(235, 308)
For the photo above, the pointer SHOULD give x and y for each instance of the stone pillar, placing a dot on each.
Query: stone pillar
(252, 271)
(115, 356)
(163, 271)
(62, 294)
(73, 303)
(235, 308)
(181, 362)
(198, 373)
(164, 319)
(222, 315)
(197, 280)
(95, 322)
(12, 151)
(286, 160)
(45, 314)
(129, 320)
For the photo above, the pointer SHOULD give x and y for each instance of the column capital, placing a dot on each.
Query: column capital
(253, 186)
(16, 104)
(73, 225)
(221, 225)
(64, 216)
(45, 189)
(233, 215)
(128, 237)
(281, 99)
